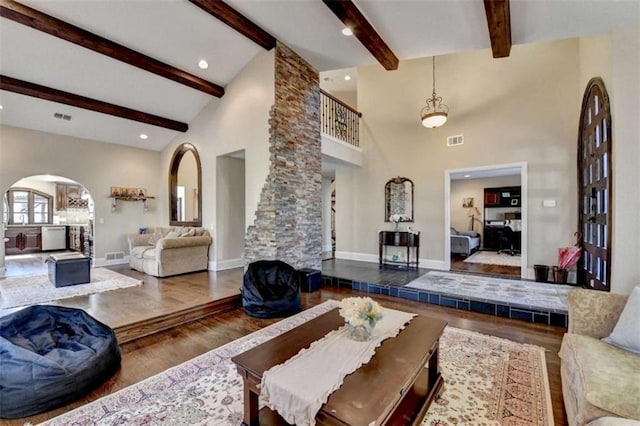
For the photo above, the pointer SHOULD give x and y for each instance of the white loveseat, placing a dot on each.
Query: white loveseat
(165, 251)
(600, 382)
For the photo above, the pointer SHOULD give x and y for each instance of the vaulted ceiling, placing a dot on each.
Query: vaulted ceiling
(123, 68)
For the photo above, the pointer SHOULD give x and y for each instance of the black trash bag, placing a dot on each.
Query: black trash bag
(51, 356)
(271, 289)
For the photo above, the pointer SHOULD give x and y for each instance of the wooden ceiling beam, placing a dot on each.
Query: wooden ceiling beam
(351, 17)
(499, 21)
(42, 92)
(234, 19)
(25, 15)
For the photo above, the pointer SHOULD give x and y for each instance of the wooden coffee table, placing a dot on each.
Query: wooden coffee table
(394, 388)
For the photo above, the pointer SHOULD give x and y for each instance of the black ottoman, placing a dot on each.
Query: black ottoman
(51, 356)
(69, 269)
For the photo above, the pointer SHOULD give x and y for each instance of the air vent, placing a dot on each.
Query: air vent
(455, 140)
(117, 255)
(62, 116)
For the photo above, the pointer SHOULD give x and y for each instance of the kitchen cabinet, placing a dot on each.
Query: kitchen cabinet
(70, 196)
(25, 239)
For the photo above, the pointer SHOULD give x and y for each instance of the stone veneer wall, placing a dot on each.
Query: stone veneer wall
(288, 222)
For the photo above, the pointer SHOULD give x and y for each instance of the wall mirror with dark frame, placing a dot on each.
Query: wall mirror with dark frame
(185, 185)
(398, 194)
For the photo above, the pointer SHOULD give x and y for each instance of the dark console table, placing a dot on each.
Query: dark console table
(400, 239)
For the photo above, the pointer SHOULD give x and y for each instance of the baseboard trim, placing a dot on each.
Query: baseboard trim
(366, 257)
(101, 261)
(222, 265)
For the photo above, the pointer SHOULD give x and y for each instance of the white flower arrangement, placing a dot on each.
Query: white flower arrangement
(357, 311)
(395, 218)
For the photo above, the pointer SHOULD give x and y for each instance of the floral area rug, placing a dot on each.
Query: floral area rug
(488, 381)
(34, 289)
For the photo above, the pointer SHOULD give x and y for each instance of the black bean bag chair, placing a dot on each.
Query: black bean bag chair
(271, 288)
(51, 356)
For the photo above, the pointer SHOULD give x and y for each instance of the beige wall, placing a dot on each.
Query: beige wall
(230, 198)
(466, 188)
(237, 121)
(517, 109)
(95, 165)
(615, 58)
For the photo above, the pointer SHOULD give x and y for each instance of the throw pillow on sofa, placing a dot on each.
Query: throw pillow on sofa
(626, 333)
(173, 234)
(190, 233)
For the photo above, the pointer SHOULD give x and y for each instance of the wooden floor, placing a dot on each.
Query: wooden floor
(150, 355)
(459, 265)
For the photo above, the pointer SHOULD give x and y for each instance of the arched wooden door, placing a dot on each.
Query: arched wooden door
(594, 187)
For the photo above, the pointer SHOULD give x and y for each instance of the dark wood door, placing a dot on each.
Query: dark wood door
(594, 187)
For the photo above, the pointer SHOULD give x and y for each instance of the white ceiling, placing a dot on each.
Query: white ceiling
(180, 34)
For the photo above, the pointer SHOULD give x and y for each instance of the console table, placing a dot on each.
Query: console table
(399, 239)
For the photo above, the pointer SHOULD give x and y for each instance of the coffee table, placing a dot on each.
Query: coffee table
(394, 388)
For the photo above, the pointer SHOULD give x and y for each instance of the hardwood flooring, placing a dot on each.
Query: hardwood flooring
(459, 265)
(150, 355)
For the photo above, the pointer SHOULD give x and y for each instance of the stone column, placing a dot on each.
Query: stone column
(288, 222)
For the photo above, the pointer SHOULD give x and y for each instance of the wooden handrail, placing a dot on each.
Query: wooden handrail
(329, 95)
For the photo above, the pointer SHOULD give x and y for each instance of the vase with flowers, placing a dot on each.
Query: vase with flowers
(361, 315)
(396, 219)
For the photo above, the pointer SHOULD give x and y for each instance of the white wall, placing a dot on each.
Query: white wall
(95, 165)
(326, 214)
(517, 109)
(237, 121)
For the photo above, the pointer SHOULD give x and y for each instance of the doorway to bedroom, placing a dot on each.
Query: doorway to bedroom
(486, 220)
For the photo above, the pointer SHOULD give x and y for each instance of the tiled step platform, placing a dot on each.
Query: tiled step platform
(508, 298)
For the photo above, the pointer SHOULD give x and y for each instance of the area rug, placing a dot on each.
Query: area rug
(483, 288)
(493, 258)
(33, 289)
(488, 381)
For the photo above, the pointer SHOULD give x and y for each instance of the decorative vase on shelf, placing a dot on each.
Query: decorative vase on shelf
(360, 333)
(396, 226)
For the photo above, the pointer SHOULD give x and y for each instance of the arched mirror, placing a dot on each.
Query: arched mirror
(398, 194)
(185, 182)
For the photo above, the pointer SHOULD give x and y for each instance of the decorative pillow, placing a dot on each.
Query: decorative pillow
(173, 234)
(190, 233)
(626, 333)
(154, 237)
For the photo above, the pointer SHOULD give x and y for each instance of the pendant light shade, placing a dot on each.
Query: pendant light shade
(435, 113)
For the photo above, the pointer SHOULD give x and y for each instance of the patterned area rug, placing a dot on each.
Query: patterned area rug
(33, 289)
(478, 287)
(488, 381)
(493, 258)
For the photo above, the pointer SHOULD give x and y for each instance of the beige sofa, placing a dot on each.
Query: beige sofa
(599, 380)
(166, 251)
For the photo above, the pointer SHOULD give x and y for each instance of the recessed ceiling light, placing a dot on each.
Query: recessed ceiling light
(0, 106)
(466, 176)
(143, 136)
(203, 64)
(347, 31)
(347, 77)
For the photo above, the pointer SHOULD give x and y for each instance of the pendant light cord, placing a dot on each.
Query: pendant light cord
(434, 76)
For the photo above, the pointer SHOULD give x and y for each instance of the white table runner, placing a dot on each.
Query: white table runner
(297, 388)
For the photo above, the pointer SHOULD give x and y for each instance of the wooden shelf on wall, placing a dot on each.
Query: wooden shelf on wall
(142, 198)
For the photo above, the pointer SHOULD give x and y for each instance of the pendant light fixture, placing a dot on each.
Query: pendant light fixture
(435, 113)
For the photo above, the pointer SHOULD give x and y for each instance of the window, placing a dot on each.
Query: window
(28, 206)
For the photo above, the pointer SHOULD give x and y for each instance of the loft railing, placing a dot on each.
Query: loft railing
(339, 120)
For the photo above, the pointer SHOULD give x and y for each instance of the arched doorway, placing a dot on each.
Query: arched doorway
(594, 187)
(45, 214)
